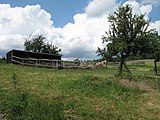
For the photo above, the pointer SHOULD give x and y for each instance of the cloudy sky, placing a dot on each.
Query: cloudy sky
(75, 26)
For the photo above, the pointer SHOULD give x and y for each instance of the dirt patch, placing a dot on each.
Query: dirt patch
(99, 108)
(151, 105)
(1, 116)
(159, 116)
(133, 84)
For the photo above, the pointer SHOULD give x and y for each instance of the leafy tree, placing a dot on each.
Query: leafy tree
(104, 54)
(156, 54)
(36, 44)
(49, 48)
(155, 49)
(127, 35)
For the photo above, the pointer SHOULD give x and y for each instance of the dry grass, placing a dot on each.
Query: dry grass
(135, 84)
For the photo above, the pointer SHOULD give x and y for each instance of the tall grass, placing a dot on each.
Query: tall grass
(46, 94)
(18, 104)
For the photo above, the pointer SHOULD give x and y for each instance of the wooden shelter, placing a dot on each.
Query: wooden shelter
(34, 59)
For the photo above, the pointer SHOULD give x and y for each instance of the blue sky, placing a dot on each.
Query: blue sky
(75, 26)
(155, 15)
(62, 11)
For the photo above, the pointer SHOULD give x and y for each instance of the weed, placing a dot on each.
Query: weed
(15, 80)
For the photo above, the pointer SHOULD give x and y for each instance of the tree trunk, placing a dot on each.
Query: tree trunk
(106, 63)
(121, 66)
(155, 67)
(122, 62)
(127, 68)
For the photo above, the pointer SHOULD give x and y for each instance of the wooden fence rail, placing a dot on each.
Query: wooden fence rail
(38, 62)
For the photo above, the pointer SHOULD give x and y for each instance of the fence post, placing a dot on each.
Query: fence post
(36, 63)
(63, 64)
(22, 61)
(57, 64)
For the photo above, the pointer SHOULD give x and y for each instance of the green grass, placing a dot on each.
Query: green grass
(94, 94)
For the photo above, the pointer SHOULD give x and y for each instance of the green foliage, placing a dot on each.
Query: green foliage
(37, 44)
(127, 35)
(49, 48)
(127, 32)
(106, 55)
(154, 48)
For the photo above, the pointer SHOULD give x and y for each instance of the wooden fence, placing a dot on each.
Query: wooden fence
(48, 63)
(51, 63)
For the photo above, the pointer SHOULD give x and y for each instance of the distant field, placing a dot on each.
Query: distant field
(89, 94)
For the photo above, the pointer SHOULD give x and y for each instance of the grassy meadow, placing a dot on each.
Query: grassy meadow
(28, 93)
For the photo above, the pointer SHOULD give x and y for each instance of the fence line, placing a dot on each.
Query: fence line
(38, 62)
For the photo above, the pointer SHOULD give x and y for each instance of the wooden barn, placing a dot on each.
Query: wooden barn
(34, 59)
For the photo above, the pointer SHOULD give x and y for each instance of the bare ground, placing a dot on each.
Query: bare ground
(152, 104)
(1, 116)
(133, 84)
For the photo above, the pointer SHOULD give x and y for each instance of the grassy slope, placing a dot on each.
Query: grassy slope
(87, 94)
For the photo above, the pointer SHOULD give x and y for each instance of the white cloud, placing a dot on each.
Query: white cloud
(78, 39)
(11, 41)
(155, 25)
(82, 37)
(18, 22)
(24, 21)
(140, 8)
(146, 9)
(153, 2)
(99, 7)
(135, 6)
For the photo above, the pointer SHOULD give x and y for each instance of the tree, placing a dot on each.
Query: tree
(155, 49)
(36, 44)
(156, 54)
(127, 35)
(106, 55)
(49, 48)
